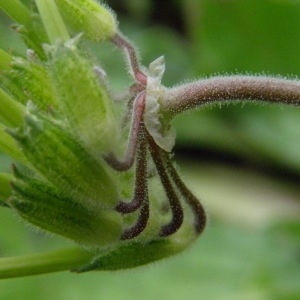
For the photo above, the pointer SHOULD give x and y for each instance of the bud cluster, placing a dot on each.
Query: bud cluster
(58, 121)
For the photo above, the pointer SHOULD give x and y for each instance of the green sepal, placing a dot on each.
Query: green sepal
(50, 148)
(132, 255)
(43, 205)
(145, 249)
(34, 35)
(96, 21)
(83, 99)
(9, 146)
(10, 84)
(28, 24)
(11, 112)
(30, 80)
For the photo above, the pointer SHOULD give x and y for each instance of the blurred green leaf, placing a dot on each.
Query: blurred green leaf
(235, 36)
(244, 36)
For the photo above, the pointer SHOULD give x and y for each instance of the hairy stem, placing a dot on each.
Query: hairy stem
(122, 43)
(174, 202)
(126, 163)
(41, 263)
(190, 198)
(140, 189)
(140, 193)
(231, 88)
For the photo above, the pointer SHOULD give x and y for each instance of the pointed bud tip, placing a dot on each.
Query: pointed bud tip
(95, 20)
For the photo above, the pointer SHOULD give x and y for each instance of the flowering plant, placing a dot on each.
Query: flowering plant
(75, 174)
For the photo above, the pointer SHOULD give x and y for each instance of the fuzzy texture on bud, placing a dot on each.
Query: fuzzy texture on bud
(83, 99)
(97, 22)
(45, 206)
(30, 80)
(60, 159)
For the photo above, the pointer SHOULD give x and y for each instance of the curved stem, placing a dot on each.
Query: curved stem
(215, 89)
(190, 198)
(121, 42)
(140, 194)
(140, 188)
(175, 205)
(46, 262)
(127, 162)
(140, 224)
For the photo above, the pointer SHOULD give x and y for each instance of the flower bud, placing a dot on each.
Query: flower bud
(61, 160)
(93, 19)
(84, 100)
(44, 206)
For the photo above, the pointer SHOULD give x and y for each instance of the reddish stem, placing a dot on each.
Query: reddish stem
(229, 88)
(175, 205)
(127, 162)
(122, 43)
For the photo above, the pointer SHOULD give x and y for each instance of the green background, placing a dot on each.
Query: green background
(242, 161)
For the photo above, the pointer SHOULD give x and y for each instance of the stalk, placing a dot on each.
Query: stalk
(229, 88)
(52, 20)
(41, 263)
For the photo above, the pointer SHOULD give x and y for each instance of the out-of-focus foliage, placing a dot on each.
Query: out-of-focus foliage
(246, 37)
(251, 248)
